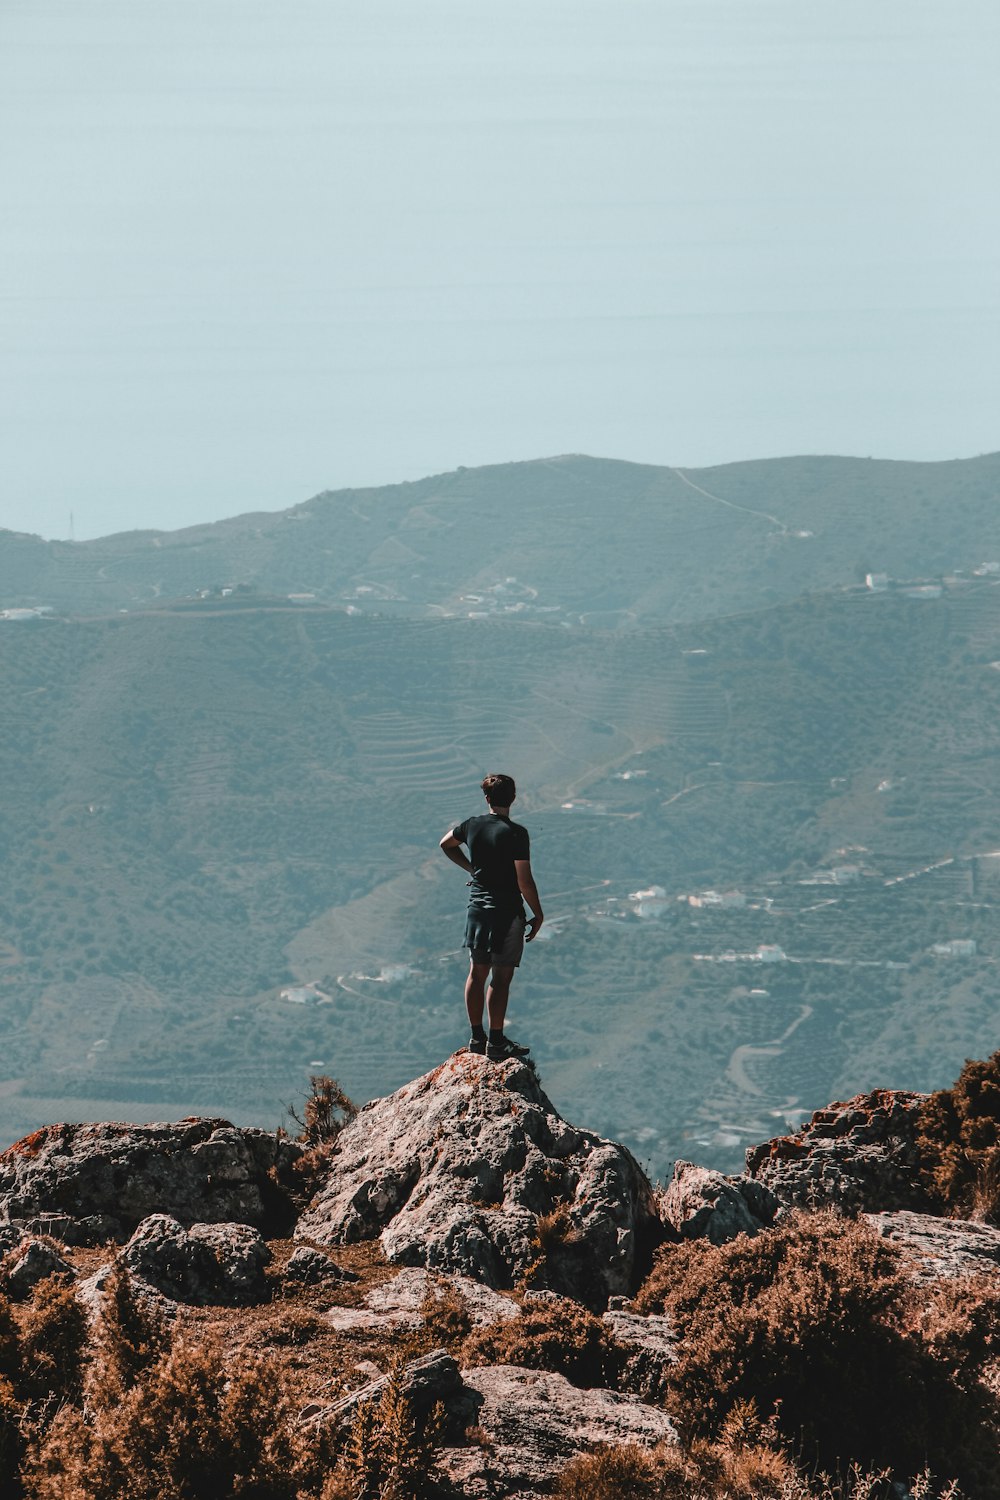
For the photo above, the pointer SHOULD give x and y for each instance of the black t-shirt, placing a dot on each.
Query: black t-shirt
(494, 842)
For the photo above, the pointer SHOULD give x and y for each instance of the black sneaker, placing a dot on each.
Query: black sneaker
(477, 1044)
(503, 1049)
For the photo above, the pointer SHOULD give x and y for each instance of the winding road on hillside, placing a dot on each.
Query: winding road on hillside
(730, 504)
(736, 1070)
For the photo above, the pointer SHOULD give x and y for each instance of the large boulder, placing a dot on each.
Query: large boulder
(702, 1204)
(210, 1263)
(860, 1156)
(534, 1422)
(99, 1182)
(471, 1169)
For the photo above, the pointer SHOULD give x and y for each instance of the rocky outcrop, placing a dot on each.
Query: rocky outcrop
(210, 1263)
(90, 1183)
(471, 1169)
(535, 1423)
(942, 1249)
(859, 1156)
(701, 1204)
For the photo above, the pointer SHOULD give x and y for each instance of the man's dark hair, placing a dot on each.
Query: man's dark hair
(500, 791)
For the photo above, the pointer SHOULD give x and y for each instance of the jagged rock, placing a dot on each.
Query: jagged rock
(30, 1262)
(210, 1263)
(942, 1248)
(859, 1156)
(432, 1378)
(105, 1179)
(535, 1422)
(650, 1348)
(702, 1204)
(454, 1170)
(309, 1267)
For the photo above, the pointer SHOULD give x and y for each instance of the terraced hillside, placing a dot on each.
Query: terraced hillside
(604, 543)
(211, 805)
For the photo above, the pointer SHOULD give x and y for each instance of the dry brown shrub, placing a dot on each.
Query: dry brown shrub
(447, 1319)
(54, 1338)
(958, 1134)
(132, 1334)
(713, 1471)
(388, 1455)
(11, 1437)
(559, 1336)
(188, 1430)
(814, 1320)
(10, 1347)
(620, 1472)
(327, 1110)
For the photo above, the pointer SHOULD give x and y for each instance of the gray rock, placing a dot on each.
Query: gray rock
(103, 1180)
(240, 1256)
(535, 1422)
(454, 1170)
(702, 1204)
(29, 1263)
(211, 1263)
(650, 1348)
(431, 1378)
(942, 1248)
(860, 1156)
(398, 1304)
(307, 1266)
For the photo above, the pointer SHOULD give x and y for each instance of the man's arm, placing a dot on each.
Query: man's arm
(451, 846)
(529, 890)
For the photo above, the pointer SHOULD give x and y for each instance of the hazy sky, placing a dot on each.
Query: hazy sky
(251, 249)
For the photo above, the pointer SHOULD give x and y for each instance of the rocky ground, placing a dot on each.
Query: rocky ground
(458, 1205)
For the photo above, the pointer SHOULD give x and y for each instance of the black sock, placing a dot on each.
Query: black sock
(478, 1034)
(496, 1036)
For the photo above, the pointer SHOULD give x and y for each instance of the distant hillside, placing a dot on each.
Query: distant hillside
(209, 805)
(613, 542)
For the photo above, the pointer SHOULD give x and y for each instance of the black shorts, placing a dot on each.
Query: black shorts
(508, 955)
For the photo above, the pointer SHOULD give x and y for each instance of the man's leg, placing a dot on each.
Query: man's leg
(475, 992)
(498, 995)
(500, 1047)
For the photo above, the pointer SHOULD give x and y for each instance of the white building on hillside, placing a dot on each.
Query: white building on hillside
(650, 903)
(770, 953)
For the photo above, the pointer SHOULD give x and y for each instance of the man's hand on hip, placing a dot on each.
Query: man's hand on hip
(534, 923)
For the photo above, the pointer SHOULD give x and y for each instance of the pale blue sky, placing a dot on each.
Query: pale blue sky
(251, 249)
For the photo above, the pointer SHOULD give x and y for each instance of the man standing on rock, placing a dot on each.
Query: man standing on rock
(496, 928)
